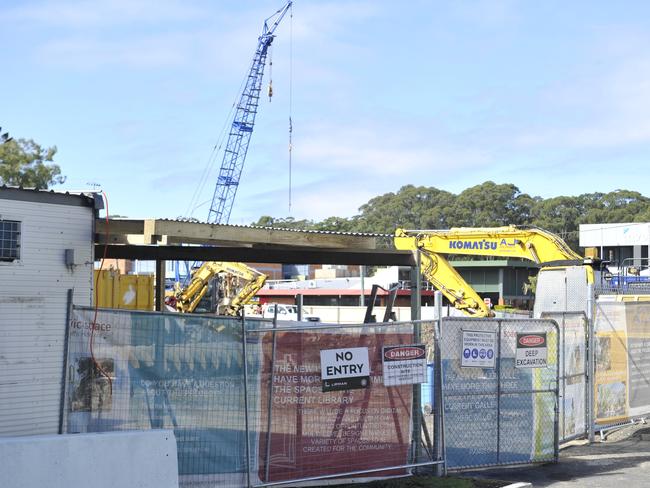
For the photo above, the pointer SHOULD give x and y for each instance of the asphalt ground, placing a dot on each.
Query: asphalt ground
(621, 461)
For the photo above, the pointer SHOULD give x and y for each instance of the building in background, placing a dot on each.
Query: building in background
(622, 244)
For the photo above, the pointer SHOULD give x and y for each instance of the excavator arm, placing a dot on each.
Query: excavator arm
(537, 245)
(445, 278)
(188, 298)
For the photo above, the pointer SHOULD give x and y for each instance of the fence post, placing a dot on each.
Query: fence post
(66, 343)
(591, 363)
(499, 392)
(438, 411)
(267, 457)
(416, 314)
(246, 426)
(416, 288)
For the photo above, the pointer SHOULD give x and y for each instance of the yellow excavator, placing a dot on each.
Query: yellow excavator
(534, 244)
(238, 283)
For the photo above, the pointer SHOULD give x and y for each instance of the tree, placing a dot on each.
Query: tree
(25, 163)
(491, 205)
(412, 207)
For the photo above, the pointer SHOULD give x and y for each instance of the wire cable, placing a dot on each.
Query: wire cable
(94, 322)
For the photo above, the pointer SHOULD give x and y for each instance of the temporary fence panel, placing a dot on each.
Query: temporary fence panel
(622, 357)
(500, 391)
(574, 379)
(142, 370)
(310, 401)
(341, 400)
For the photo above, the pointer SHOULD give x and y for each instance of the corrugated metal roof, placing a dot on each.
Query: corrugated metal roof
(285, 229)
(332, 292)
(45, 195)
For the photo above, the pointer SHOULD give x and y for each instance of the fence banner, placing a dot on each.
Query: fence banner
(315, 431)
(622, 350)
(153, 370)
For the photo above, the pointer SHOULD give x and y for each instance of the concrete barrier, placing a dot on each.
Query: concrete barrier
(143, 459)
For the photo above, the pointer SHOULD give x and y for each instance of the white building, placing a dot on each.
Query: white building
(46, 250)
(624, 244)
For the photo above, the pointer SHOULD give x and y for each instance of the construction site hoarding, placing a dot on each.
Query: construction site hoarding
(622, 357)
(310, 430)
(245, 407)
(136, 371)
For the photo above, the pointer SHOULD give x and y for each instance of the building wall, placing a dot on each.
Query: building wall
(272, 270)
(33, 310)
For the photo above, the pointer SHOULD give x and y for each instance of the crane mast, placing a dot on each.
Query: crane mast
(242, 125)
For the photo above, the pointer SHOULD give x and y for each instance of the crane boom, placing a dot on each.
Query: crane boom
(242, 125)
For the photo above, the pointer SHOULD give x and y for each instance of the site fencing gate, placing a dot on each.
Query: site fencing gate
(312, 426)
(500, 391)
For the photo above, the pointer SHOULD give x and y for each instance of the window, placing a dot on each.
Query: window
(9, 240)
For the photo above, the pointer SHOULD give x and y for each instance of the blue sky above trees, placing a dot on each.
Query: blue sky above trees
(551, 96)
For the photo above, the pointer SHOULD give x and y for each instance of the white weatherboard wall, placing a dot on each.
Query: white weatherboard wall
(110, 460)
(33, 309)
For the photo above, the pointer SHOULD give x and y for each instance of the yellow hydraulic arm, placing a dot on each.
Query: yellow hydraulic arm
(188, 298)
(530, 243)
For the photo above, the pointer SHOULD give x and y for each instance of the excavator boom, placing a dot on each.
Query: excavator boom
(188, 298)
(533, 244)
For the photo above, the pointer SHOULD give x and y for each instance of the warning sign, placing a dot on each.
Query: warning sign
(345, 369)
(404, 365)
(532, 351)
(478, 349)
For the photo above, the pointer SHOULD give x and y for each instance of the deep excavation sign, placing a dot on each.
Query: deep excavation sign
(532, 350)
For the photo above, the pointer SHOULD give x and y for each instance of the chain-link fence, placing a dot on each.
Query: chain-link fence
(140, 370)
(306, 402)
(342, 400)
(574, 401)
(500, 391)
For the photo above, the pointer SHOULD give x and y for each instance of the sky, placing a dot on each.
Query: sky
(551, 96)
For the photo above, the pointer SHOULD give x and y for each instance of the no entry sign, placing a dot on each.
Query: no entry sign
(345, 369)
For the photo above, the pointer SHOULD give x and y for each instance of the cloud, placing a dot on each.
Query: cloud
(161, 51)
(382, 149)
(86, 14)
(604, 105)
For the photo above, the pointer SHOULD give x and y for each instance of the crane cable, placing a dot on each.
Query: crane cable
(270, 89)
(290, 96)
(212, 159)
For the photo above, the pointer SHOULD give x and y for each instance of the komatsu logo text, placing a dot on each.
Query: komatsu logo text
(483, 244)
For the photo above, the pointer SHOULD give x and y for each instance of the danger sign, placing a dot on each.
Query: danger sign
(404, 365)
(345, 369)
(532, 351)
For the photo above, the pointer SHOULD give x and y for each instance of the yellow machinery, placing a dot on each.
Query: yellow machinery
(537, 245)
(116, 290)
(238, 284)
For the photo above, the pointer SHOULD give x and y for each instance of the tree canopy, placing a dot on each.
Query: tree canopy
(486, 205)
(24, 163)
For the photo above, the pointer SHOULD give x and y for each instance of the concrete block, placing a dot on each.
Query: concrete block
(138, 459)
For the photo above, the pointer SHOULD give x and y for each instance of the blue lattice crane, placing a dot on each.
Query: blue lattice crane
(242, 125)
